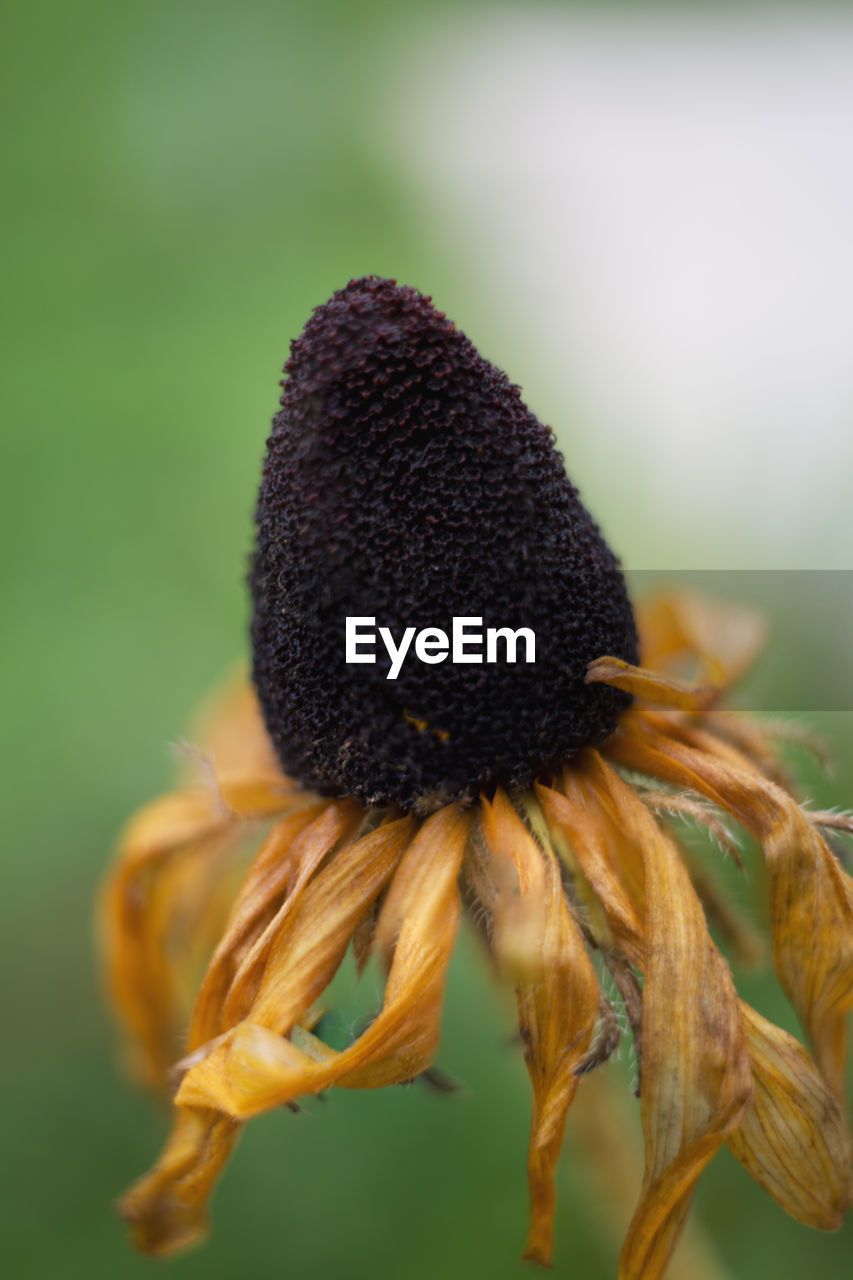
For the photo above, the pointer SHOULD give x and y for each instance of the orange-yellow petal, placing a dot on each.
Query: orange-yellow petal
(158, 898)
(254, 1067)
(695, 1080)
(811, 897)
(651, 685)
(167, 1208)
(557, 992)
(608, 859)
(793, 1137)
(269, 881)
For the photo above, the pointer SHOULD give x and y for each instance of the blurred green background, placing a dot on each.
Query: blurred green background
(184, 181)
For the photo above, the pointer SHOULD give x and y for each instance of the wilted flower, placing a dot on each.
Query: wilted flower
(406, 483)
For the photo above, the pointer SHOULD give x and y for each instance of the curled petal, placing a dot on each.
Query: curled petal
(307, 951)
(279, 871)
(158, 906)
(167, 1209)
(333, 831)
(793, 1139)
(695, 1075)
(557, 993)
(811, 897)
(254, 1067)
(608, 859)
(651, 685)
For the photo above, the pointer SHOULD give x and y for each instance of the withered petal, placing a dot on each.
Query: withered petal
(608, 860)
(253, 1067)
(793, 1137)
(811, 896)
(159, 904)
(695, 1074)
(651, 685)
(167, 1208)
(556, 989)
(265, 885)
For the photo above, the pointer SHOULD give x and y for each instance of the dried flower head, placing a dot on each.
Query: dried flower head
(407, 482)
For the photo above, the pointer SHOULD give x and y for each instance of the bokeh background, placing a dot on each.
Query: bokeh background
(643, 214)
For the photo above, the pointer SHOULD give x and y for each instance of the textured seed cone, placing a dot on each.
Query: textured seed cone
(406, 481)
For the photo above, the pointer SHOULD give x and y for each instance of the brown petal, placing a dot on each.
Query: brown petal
(558, 996)
(793, 1138)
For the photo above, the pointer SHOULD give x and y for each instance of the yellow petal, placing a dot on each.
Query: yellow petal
(811, 897)
(557, 1009)
(793, 1139)
(254, 1067)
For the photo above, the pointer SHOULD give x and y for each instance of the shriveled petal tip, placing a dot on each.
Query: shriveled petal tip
(254, 1066)
(167, 1209)
(556, 989)
(793, 1138)
(651, 685)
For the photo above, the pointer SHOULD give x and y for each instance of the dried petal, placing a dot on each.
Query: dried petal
(811, 897)
(253, 1067)
(642, 683)
(160, 894)
(793, 1138)
(558, 997)
(167, 1209)
(280, 869)
(607, 858)
(695, 1075)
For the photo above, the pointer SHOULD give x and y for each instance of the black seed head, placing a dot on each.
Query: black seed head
(406, 481)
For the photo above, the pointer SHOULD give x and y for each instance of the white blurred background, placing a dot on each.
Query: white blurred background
(658, 210)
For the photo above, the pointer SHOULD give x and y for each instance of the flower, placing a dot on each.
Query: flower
(407, 483)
